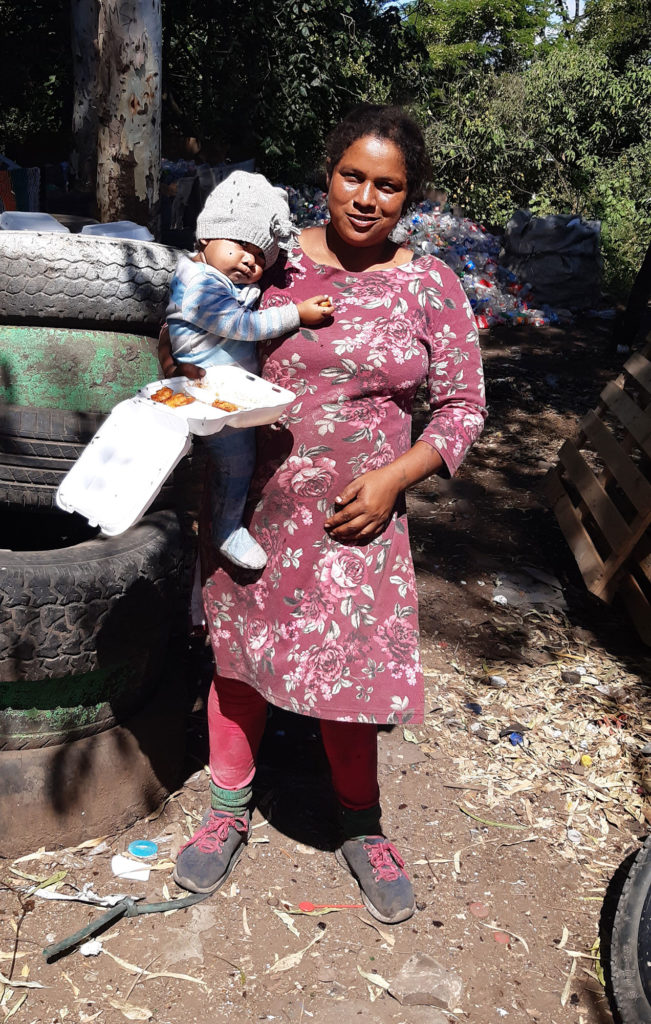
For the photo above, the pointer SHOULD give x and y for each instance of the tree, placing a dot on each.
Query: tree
(568, 134)
(36, 79)
(268, 79)
(620, 28)
(129, 41)
(463, 36)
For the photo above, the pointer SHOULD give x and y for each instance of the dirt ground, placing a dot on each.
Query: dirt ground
(512, 846)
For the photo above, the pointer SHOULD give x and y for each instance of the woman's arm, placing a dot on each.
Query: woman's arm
(368, 501)
(456, 387)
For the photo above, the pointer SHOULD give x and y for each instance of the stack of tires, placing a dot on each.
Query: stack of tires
(89, 737)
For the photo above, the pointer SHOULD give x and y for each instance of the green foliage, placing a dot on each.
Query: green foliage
(620, 28)
(620, 195)
(563, 135)
(465, 35)
(36, 71)
(268, 79)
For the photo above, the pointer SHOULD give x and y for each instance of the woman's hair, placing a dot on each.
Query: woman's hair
(382, 122)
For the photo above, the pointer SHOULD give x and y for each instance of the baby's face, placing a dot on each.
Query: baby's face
(241, 262)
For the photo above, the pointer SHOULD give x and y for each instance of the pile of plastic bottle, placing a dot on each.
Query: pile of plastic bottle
(495, 293)
(308, 206)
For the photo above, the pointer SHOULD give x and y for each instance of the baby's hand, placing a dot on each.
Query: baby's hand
(316, 310)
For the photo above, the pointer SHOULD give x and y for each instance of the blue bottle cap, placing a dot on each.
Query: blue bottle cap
(142, 848)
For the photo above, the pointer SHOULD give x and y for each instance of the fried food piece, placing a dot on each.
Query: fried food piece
(224, 406)
(162, 395)
(180, 399)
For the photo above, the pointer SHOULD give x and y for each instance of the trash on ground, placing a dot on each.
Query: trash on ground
(286, 963)
(130, 1010)
(374, 978)
(84, 895)
(423, 981)
(497, 682)
(91, 948)
(529, 587)
(143, 848)
(124, 867)
(307, 907)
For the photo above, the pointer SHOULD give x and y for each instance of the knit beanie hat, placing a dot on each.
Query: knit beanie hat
(248, 208)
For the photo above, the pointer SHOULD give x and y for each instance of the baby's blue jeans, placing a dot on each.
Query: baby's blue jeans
(232, 454)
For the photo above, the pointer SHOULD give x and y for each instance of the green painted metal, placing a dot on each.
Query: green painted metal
(78, 369)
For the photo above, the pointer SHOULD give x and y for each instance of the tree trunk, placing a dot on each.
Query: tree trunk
(128, 152)
(84, 16)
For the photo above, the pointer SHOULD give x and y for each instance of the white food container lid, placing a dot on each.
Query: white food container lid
(120, 472)
(119, 229)
(118, 475)
(30, 220)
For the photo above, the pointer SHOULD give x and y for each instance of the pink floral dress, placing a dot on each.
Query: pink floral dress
(326, 629)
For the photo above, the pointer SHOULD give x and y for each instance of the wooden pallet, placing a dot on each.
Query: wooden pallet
(600, 492)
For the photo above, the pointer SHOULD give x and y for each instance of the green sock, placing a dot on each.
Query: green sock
(358, 824)
(235, 801)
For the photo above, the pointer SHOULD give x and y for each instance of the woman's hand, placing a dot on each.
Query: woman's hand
(171, 368)
(365, 506)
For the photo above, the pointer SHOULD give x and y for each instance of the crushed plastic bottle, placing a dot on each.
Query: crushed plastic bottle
(496, 295)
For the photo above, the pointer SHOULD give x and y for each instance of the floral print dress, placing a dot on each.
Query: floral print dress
(326, 629)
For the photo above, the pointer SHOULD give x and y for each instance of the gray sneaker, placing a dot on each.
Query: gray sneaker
(379, 869)
(206, 860)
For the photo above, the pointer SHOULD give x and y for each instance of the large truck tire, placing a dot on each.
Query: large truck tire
(84, 631)
(39, 446)
(74, 368)
(51, 278)
(630, 948)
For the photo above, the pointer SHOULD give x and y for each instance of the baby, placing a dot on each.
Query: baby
(212, 321)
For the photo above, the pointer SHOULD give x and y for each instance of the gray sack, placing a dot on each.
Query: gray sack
(559, 256)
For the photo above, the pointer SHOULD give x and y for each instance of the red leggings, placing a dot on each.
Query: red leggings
(236, 719)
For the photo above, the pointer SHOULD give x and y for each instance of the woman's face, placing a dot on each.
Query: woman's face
(367, 189)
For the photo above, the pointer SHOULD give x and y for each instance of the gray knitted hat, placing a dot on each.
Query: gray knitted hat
(248, 208)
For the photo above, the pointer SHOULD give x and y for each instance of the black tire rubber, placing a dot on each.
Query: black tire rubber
(39, 446)
(65, 278)
(84, 630)
(630, 951)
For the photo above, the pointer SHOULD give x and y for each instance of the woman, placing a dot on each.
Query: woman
(329, 628)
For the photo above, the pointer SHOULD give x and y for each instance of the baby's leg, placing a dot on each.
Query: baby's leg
(232, 453)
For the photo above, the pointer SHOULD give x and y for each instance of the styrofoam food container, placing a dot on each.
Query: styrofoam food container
(259, 400)
(123, 468)
(127, 229)
(30, 220)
